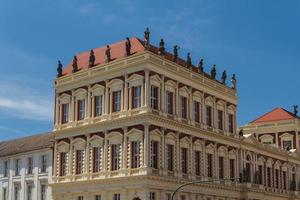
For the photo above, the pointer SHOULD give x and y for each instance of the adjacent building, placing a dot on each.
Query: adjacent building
(135, 122)
(26, 168)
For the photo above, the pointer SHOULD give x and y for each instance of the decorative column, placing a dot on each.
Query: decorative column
(89, 103)
(72, 108)
(106, 107)
(162, 94)
(276, 139)
(56, 120)
(163, 148)
(177, 100)
(190, 105)
(55, 172)
(125, 148)
(146, 145)
(147, 88)
(177, 153)
(297, 139)
(105, 150)
(125, 100)
(71, 157)
(87, 155)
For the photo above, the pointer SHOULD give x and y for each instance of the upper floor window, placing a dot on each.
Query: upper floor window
(184, 160)
(196, 111)
(284, 179)
(230, 123)
(136, 96)
(115, 156)
(154, 154)
(232, 168)
(96, 159)
(209, 165)
(260, 173)
(183, 107)
(269, 176)
(4, 193)
(154, 97)
(276, 178)
(65, 113)
(5, 172)
(43, 192)
(220, 119)
(16, 192)
(17, 167)
(135, 154)
(79, 161)
(169, 102)
(287, 144)
(116, 100)
(80, 198)
(152, 196)
(117, 197)
(198, 163)
(170, 157)
(81, 109)
(43, 163)
(30, 165)
(221, 167)
(98, 197)
(98, 105)
(29, 192)
(63, 164)
(209, 116)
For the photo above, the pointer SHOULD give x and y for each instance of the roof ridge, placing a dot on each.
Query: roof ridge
(26, 137)
(277, 108)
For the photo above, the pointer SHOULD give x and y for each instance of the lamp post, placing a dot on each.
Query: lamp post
(201, 181)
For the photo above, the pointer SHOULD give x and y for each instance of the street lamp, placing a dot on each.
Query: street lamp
(201, 181)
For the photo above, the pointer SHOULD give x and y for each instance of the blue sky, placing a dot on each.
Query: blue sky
(257, 40)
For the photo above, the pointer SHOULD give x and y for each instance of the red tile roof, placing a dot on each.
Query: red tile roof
(275, 115)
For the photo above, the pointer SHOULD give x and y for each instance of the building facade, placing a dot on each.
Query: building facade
(137, 124)
(279, 128)
(26, 168)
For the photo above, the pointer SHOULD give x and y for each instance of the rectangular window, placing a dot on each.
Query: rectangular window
(232, 168)
(197, 111)
(117, 197)
(154, 97)
(152, 196)
(4, 194)
(98, 105)
(116, 98)
(276, 178)
(284, 180)
(65, 113)
(209, 165)
(136, 96)
(5, 173)
(63, 163)
(80, 198)
(260, 173)
(221, 167)
(287, 144)
(43, 164)
(115, 156)
(168, 196)
(183, 107)
(30, 165)
(17, 167)
(170, 157)
(209, 116)
(135, 154)
(230, 123)
(269, 176)
(16, 192)
(182, 197)
(81, 109)
(154, 154)
(96, 159)
(169, 102)
(29, 192)
(198, 163)
(98, 197)
(184, 160)
(220, 119)
(79, 161)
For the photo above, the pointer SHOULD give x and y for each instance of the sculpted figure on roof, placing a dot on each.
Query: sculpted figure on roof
(147, 37)
(128, 46)
(200, 66)
(175, 53)
(213, 72)
(295, 110)
(92, 59)
(107, 53)
(161, 50)
(59, 69)
(74, 64)
(188, 60)
(233, 81)
(224, 77)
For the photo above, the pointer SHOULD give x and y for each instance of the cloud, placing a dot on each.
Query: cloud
(87, 9)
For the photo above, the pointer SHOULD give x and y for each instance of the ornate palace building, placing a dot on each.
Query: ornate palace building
(133, 121)
(26, 168)
(279, 128)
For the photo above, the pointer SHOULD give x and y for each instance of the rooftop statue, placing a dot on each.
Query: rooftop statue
(107, 53)
(295, 110)
(213, 72)
(200, 66)
(175, 53)
(233, 81)
(59, 69)
(188, 60)
(147, 37)
(224, 77)
(74, 64)
(161, 50)
(128, 46)
(92, 59)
